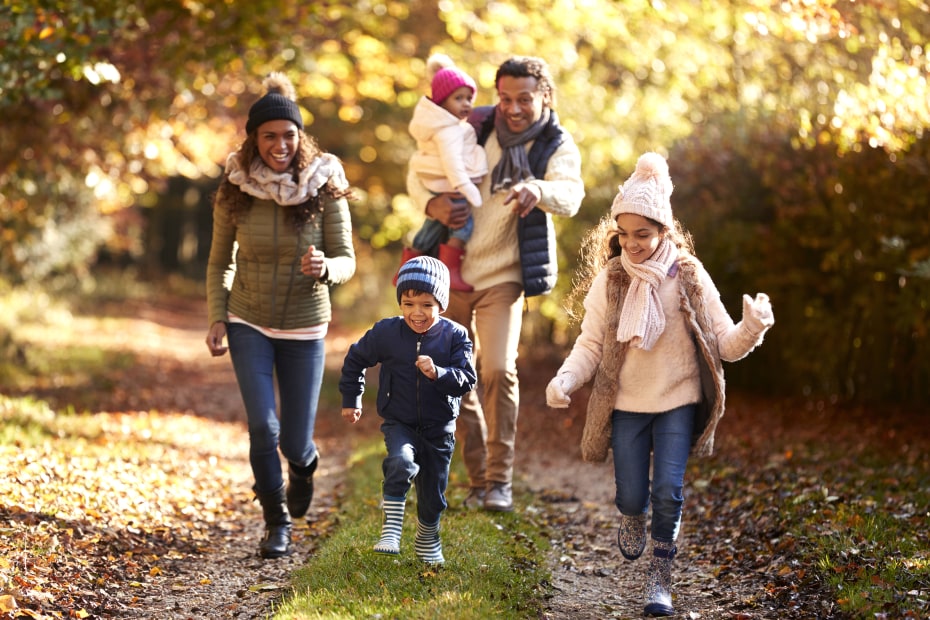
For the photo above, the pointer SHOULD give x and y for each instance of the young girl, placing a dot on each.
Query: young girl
(653, 336)
(448, 159)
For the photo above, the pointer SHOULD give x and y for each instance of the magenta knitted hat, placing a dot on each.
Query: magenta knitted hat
(447, 78)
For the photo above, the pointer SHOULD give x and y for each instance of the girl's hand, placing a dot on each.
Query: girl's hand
(312, 263)
(426, 366)
(757, 313)
(351, 415)
(558, 390)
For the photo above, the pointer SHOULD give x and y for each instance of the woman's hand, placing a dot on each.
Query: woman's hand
(313, 264)
(215, 339)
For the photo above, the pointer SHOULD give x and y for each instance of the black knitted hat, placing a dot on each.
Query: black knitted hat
(276, 104)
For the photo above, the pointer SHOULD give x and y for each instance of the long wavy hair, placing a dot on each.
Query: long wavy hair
(238, 202)
(600, 245)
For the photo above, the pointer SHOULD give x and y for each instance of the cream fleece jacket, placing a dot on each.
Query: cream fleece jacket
(492, 253)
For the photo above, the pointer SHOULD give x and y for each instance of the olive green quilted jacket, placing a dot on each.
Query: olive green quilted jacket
(254, 265)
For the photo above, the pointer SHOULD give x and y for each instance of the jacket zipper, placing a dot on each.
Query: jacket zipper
(419, 416)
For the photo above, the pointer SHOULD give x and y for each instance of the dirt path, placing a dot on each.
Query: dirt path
(589, 577)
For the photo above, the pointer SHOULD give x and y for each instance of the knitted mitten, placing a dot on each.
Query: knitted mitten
(631, 536)
(427, 545)
(393, 510)
(659, 580)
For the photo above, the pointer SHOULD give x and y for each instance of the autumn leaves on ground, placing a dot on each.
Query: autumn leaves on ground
(804, 509)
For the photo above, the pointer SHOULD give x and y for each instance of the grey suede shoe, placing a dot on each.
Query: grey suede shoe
(631, 535)
(499, 497)
(474, 499)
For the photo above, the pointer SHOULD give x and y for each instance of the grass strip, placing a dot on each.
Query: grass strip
(494, 561)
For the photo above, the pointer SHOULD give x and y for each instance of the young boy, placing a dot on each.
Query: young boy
(426, 368)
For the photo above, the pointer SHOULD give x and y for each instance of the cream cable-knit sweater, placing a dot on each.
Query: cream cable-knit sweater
(492, 255)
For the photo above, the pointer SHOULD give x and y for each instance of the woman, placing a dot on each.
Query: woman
(281, 235)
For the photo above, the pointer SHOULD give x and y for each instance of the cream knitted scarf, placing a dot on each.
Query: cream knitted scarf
(642, 319)
(265, 184)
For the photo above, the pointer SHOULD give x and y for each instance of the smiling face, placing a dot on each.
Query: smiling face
(420, 310)
(458, 104)
(521, 102)
(277, 143)
(639, 236)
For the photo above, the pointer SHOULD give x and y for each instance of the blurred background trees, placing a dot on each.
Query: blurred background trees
(795, 131)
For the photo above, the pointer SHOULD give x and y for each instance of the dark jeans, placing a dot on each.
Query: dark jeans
(298, 366)
(415, 457)
(668, 437)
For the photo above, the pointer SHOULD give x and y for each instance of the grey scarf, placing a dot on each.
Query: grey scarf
(514, 165)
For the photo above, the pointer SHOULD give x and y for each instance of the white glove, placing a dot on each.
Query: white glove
(757, 313)
(471, 193)
(558, 390)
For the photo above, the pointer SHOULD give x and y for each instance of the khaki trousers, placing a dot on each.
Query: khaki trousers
(487, 423)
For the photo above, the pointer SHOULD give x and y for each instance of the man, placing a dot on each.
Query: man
(535, 173)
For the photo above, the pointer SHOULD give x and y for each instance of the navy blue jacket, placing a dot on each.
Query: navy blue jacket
(404, 393)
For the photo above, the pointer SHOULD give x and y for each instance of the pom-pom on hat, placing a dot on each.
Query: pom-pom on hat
(426, 274)
(647, 192)
(278, 103)
(446, 78)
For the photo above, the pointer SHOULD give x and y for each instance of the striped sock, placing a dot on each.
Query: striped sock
(393, 509)
(427, 545)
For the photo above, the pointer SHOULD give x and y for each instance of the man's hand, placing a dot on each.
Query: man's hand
(351, 415)
(449, 212)
(524, 197)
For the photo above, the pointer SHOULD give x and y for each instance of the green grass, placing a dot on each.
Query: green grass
(871, 541)
(492, 564)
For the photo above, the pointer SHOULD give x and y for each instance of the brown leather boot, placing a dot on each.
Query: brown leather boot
(452, 258)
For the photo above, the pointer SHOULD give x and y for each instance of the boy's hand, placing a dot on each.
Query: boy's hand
(351, 415)
(426, 366)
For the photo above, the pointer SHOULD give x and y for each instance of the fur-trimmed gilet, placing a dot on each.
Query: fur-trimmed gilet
(596, 438)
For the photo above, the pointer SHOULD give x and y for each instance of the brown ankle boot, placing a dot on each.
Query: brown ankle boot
(407, 254)
(452, 258)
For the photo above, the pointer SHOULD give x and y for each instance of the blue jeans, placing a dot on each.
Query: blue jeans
(298, 365)
(416, 456)
(668, 437)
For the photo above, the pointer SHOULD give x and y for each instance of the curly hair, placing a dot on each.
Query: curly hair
(298, 215)
(529, 66)
(601, 244)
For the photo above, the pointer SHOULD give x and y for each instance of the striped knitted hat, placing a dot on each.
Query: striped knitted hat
(426, 274)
